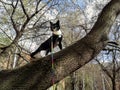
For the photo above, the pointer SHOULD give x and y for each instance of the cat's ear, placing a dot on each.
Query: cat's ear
(58, 22)
(51, 23)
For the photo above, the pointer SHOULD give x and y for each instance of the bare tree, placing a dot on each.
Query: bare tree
(37, 75)
(22, 18)
(111, 68)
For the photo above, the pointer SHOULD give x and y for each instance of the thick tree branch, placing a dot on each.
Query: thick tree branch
(37, 75)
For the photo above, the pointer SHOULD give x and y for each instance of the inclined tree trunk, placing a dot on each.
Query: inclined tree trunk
(103, 82)
(37, 75)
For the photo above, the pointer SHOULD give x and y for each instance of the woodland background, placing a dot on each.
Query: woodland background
(24, 25)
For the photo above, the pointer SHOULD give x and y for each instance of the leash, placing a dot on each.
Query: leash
(52, 62)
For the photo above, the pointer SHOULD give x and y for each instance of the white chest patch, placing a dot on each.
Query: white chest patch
(43, 53)
(58, 33)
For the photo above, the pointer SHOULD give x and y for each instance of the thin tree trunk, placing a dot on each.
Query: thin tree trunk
(113, 84)
(114, 72)
(16, 58)
(83, 80)
(92, 83)
(103, 82)
(8, 62)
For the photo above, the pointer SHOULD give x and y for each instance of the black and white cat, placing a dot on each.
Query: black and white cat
(55, 39)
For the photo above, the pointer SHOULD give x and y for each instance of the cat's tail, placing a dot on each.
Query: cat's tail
(35, 52)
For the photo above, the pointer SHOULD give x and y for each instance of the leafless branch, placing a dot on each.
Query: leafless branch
(30, 17)
(39, 18)
(5, 2)
(36, 12)
(112, 44)
(43, 14)
(6, 34)
(104, 69)
(11, 17)
(83, 27)
(33, 37)
(23, 8)
(20, 32)
(38, 2)
(22, 57)
(118, 69)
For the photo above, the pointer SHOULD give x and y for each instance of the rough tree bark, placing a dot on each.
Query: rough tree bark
(37, 75)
